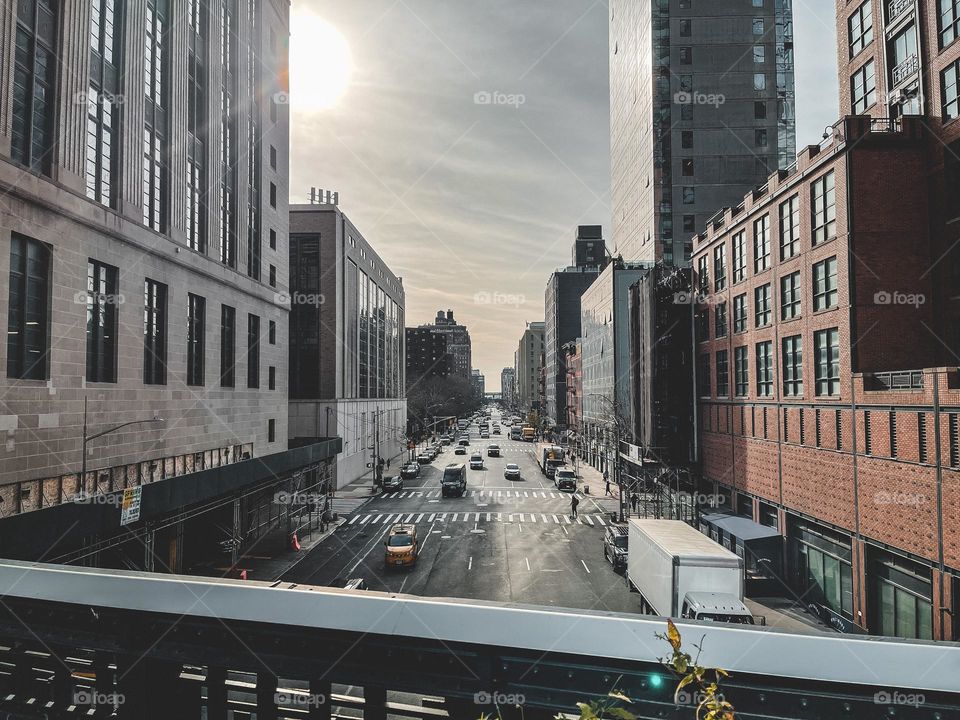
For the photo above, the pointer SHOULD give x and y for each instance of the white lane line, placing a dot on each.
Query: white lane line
(527, 561)
(578, 496)
(563, 527)
(556, 519)
(525, 494)
(470, 564)
(600, 520)
(357, 517)
(544, 517)
(585, 566)
(476, 517)
(455, 517)
(443, 516)
(402, 495)
(488, 517)
(365, 518)
(408, 517)
(419, 517)
(391, 495)
(533, 518)
(376, 520)
(432, 516)
(567, 518)
(500, 517)
(590, 520)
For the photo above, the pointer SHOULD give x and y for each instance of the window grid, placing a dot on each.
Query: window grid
(740, 313)
(253, 351)
(228, 346)
(739, 256)
(790, 228)
(741, 371)
(761, 305)
(764, 354)
(922, 437)
(228, 136)
(761, 244)
(34, 84)
(825, 284)
(863, 88)
(154, 332)
(720, 320)
(719, 268)
(196, 326)
(102, 115)
(823, 208)
(723, 374)
(102, 303)
(827, 348)
(950, 82)
(793, 366)
(28, 323)
(790, 296)
(949, 21)
(860, 28)
(155, 148)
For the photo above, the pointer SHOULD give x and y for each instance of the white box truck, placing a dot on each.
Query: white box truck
(681, 573)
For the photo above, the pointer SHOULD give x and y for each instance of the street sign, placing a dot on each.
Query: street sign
(130, 508)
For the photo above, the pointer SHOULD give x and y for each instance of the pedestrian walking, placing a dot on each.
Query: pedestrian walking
(635, 501)
(573, 506)
(607, 481)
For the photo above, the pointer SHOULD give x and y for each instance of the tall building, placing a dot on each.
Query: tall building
(458, 342)
(527, 366)
(346, 341)
(426, 354)
(478, 383)
(508, 387)
(701, 111)
(562, 314)
(605, 358)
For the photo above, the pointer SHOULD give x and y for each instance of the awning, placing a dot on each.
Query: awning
(740, 527)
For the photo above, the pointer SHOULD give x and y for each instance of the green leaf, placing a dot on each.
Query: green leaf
(617, 695)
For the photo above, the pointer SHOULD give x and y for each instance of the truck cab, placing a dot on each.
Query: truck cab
(715, 607)
(454, 481)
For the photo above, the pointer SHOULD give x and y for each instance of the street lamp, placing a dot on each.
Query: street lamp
(87, 438)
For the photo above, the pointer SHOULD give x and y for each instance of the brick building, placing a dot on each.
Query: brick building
(426, 354)
(815, 415)
(574, 387)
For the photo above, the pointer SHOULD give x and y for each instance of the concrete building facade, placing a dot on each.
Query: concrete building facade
(141, 278)
(508, 387)
(527, 365)
(458, 342)
(346, 349)
(701, 111)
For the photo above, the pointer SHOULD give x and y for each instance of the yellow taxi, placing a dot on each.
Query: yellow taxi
(401, 546)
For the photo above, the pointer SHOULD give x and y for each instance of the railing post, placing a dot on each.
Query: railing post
(266, 696)
(374, 703)
(216, 683)
(320, 692)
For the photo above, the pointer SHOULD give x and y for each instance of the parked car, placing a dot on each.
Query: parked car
(444, 440)
(460, 450)
(496, 431)
(476, 461)
(511, 472)
(565, 478)
(424, 458)
(400, 547)
(410, 470)
(392, 483)
(493, 451)
(615, 547)
(464, 441)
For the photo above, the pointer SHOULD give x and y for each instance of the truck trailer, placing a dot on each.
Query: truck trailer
(681, 573)
(549, 458)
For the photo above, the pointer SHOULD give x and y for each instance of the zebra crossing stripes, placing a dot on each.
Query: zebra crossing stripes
(490, 494)
(383, 519)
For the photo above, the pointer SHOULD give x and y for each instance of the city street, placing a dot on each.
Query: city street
(506, 540)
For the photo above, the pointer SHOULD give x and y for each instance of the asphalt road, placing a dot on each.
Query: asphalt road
(507, 540)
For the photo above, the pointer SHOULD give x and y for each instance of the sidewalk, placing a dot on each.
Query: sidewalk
(268, 568)
(593, 479)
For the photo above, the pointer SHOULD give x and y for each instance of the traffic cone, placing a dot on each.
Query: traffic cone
(243, 574)
(295, 542)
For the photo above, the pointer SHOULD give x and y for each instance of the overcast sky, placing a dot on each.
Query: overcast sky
(474, 204)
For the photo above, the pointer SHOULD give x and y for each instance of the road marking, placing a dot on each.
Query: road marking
(533, 518)
(454, 517)
(525, 494)
(578, 496)
(527, 561)
(408, 517)
(443, 516)
(562, 527)
(432, 516)
(365, 518)
(585, 566)
(391, 495)
(556, 519)
(488, 517)
(600, 520)
(354, 520)
(567, 519)
(476, 517)
(419, 517)
(416, 494)
(590, 520)
(470, 564)
(376, 520)
(403, 494)
(544, 517)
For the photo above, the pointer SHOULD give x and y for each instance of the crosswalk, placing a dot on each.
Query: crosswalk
(374, 518)
(483, 494)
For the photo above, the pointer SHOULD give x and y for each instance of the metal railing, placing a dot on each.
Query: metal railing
(905, 69)
(902, 380)
(896, 8)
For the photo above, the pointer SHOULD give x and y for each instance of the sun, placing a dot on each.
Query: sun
(320, 63)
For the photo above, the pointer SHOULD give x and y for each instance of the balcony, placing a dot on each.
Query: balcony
(900, 380)
(896, 9)
(902, 72)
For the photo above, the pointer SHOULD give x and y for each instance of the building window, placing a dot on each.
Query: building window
(254, 149)
(197, 119)
(761, 244)
(761, 305)
(719, 268)
(741, 371)
(102, 302)
(34, 78)
(759, 110)
(758, 26)
(759, 54)
(703, 275)
(155, 117)
(686, 56)
(720, 320)
(272, 332)
(949, 21)
(228, 346)
(273, 195)
(686, 167)
(823, 208)
(760, 138)
(903, 610)
(273, 158)
(228, 136)
(273, 239)
(271, 430)
(951, 94)
(826, 345)
(740, 313)
(702, 325)
(790, 296)
(825, 284)
(253, 351)
(703, 375)
(893, 434)
(765, 369)
(793, 366)
(154, 333)
(922, 437)
(272, 378)
(759, 81)
(690, 223)
(102, 116)
(860, 28)
(686, 139)
(790, 227)
(723, 374)
(739, 256)
(28, 320)
(953, 427)
(685, 28)
(863, 88)
(196, 326)
(689, 196)
(867, 434)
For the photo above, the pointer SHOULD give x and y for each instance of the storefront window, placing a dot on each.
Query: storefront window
(822, 567)
(903, 599)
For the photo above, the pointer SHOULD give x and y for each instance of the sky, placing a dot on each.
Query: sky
(468, 141)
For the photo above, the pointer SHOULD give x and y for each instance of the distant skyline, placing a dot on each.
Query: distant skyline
(470, 140)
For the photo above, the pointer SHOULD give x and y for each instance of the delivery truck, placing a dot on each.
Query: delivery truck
(549, 458)
(681, 573)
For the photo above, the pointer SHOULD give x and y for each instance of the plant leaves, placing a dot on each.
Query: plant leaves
(673, 635)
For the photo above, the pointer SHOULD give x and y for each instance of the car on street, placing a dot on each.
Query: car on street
(496, 431)
(511, 472)
(424, 458)
(350, 583)
(460, 450)
(400, 547)
(444, 440)
(476, 461)
(565, 478)
(464, 441)
(392, 483)
(493, 451)
(615, 547)
(410, 470)
(454, 480)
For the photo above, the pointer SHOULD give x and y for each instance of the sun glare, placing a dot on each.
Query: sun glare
(320, 63)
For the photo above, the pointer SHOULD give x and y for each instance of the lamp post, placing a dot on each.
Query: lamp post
(87, 438)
